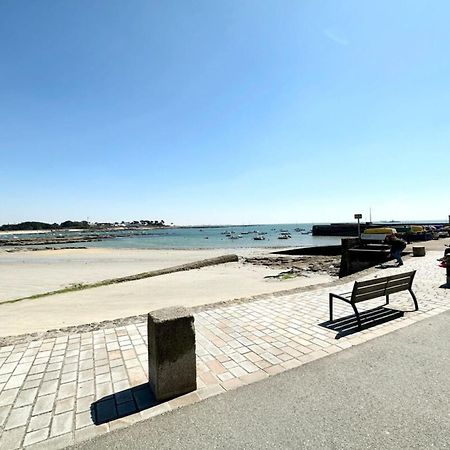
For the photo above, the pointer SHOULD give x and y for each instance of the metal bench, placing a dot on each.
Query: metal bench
(378, 287)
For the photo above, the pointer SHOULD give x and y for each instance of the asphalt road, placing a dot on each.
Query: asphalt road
(392, 392)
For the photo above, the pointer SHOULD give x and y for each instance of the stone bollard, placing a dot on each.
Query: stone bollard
(418, 250)
(171, 352)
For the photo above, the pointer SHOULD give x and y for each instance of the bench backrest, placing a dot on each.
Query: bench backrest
(380, 287)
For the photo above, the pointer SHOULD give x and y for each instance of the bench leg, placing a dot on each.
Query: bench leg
(387, 299)
(358, 319)
(414, 299)
(331, 307)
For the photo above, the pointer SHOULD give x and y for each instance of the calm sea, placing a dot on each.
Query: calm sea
(207, 237)
(218, 237)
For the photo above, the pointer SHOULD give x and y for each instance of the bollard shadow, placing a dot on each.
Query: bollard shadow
(348, 325)
(123, 404)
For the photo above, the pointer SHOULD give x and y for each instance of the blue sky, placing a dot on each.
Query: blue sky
(243, 111)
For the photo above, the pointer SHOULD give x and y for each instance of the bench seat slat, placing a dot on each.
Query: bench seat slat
(393, 289)
(373, 282)
(369, 296)
(404, 283)
(368, 289)
(402, 275)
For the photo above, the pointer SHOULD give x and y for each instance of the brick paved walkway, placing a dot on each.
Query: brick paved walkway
(48, 387)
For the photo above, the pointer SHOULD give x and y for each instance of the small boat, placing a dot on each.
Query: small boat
(299, 229)
(284, 236)
(259, 237)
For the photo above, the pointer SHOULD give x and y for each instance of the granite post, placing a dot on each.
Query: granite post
(171, 352)
(419, 250)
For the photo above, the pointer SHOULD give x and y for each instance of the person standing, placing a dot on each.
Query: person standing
(397, 246)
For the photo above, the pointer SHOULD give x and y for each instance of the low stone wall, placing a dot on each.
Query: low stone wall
(357, 257)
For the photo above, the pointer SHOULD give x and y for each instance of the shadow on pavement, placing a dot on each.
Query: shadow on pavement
(347, 325)
(122, 404)
(387, 266)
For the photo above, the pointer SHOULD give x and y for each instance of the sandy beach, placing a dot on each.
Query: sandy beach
(28, 273)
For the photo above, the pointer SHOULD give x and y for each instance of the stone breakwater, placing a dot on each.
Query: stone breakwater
(23, 242)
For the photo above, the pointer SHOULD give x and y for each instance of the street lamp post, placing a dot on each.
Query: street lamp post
(358, 217)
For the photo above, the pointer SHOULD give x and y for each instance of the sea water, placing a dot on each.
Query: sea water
(198, 237)
(216, 237)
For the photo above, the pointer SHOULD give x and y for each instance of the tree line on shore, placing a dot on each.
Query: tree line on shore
(83, 225)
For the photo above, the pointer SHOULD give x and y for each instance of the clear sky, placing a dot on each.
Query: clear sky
(245, 111)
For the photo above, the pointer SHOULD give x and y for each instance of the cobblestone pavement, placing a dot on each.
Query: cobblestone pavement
(48, 387)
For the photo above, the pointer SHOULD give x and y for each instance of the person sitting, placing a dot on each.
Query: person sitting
(444, 258)
(397, 246)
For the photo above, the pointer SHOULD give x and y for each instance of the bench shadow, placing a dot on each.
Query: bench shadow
(445, 286)
(123, 404)
(386, 266)
(348, 325)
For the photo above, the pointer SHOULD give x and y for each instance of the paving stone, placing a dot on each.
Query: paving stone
(83, 419)
(22, 369)
(26, 397)
(84, 403)
(68, 377)
(55, 443)
(44, 404)
(4, 411)
(37, 368)
(67, 390)
(53, 375)
(35, 436)
(61, 424)
(8, 396)
(12, 439)
(48, 387)
(38, 422)
(5, 377)
(65, 405)
(86, 388)
(15, 381)
(30, 384)
(18, 417)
